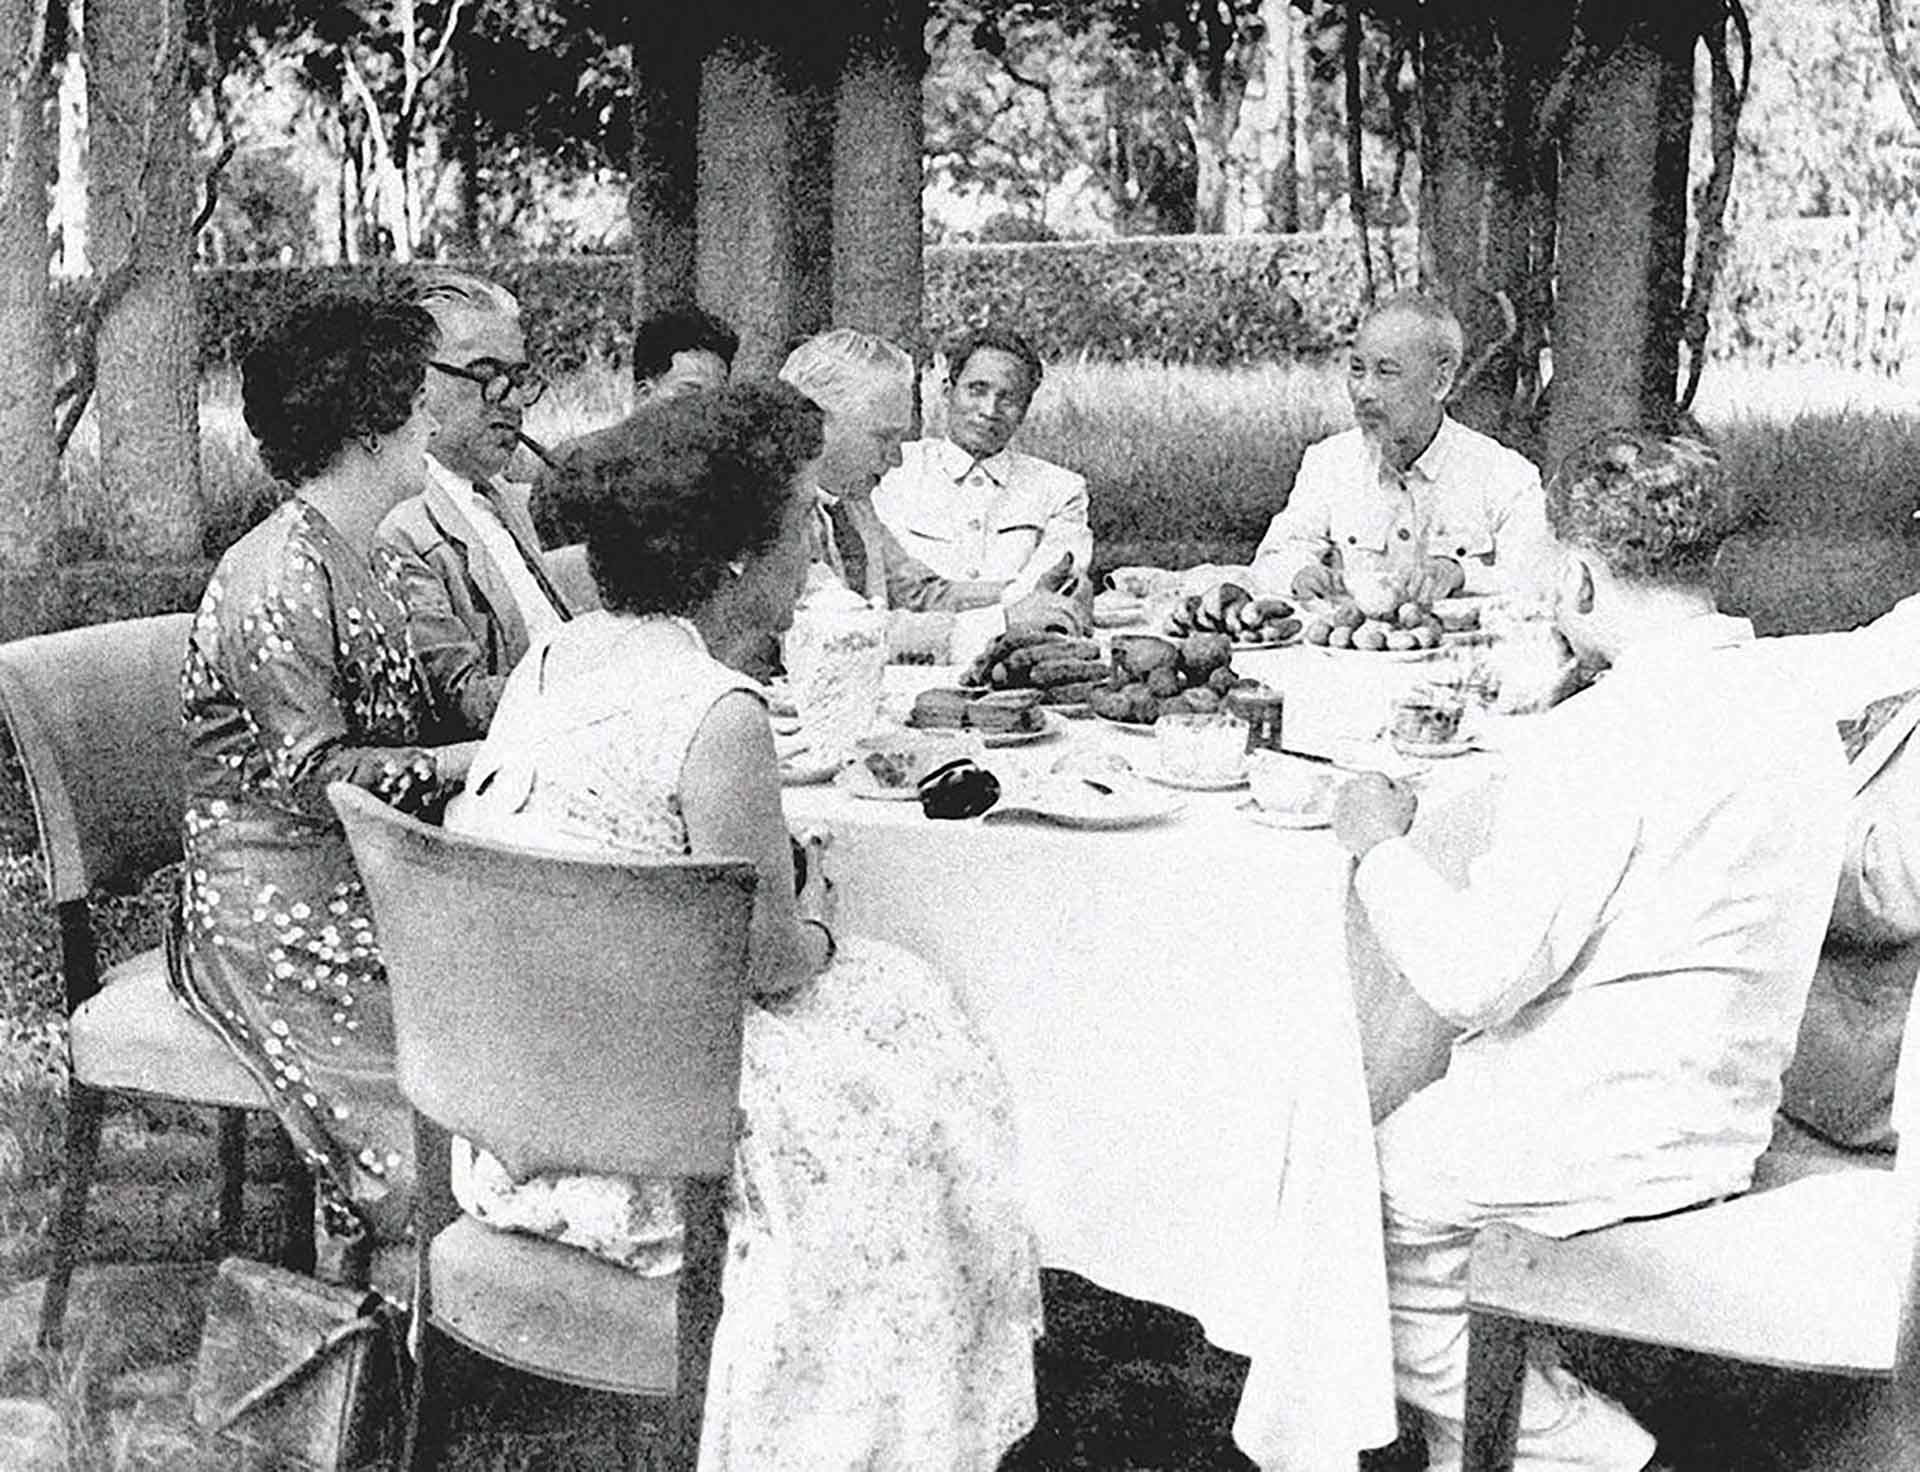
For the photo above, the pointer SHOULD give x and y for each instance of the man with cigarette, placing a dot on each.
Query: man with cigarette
(469, 562)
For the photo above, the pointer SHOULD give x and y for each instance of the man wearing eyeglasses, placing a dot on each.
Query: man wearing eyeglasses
(476, 581)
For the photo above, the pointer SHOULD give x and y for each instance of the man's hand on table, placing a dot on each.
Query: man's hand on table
(1061, 602)
(1318, 581)
(1438, 577)
(1369, 809)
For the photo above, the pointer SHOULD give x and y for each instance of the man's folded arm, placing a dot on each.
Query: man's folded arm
(1477, 954)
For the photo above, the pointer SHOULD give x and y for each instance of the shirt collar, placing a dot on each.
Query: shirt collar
(451, 481)
(957, 463)
(1683, 640)
(1431, 462)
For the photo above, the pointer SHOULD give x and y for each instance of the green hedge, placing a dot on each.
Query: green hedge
(1196, 299)
(1786, 297)
(89, 593)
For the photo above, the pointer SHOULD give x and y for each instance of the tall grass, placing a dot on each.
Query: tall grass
(1188, 464)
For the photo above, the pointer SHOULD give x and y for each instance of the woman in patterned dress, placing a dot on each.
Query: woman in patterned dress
(881, 1291)
(298, 674)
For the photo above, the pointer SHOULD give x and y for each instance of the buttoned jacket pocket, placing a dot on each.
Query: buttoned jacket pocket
(1360, 524)
(1464, 535)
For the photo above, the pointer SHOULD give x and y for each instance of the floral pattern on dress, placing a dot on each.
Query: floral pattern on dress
(298, 674)
(882, 1287)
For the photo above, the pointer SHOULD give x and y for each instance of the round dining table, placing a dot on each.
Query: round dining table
(1175, 1011)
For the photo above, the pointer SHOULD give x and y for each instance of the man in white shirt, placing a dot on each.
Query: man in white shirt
(967, 504)
(865, 385)
(1408, 492)
(470, 565)
(1629, 958)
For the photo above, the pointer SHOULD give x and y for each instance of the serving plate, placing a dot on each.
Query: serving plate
(1392, 656)
(1076, 802)
(1248, 646)
(1136, 728)
(1051, 725)
(994, 739)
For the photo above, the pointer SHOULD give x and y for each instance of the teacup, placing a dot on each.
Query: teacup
(1286, 784)
(1143, 582)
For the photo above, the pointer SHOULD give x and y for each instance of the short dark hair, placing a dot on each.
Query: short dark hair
(680, 489)
(1654, 507)
(964, 345)
(680, 330)
(330, 371)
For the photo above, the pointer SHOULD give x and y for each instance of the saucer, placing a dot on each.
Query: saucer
(1154, 772)
(1268, 818)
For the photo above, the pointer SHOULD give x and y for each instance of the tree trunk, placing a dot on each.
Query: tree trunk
(28, 470)
(744, 225)
(70, 169)
(1462, 89)
(1287, 101)
(667, 50)
(1212, 132)
(139, 207)
(1621, 239)
(466, 150)
(878, 133)
(764, 212)
(814, 60)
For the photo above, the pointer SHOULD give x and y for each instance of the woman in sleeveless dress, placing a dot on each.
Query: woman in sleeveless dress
(298, 673)
(881, 1289)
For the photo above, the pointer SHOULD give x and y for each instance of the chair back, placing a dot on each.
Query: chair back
(564, 1013)
(1906, 1184)
(95, 718)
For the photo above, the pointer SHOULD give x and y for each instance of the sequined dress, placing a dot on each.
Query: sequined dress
(881, 1288)
(298, 674)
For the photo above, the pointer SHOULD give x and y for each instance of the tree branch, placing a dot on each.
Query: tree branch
(32, 56)
(1896, 63)
(1710, 244)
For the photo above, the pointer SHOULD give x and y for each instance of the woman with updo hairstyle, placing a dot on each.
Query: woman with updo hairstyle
(882, 1292)
(298, 674)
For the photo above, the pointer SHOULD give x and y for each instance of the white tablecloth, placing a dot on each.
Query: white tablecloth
(1172, 1008)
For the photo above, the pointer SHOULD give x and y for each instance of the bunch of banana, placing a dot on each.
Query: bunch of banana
(1228, 608)
(1061, 667)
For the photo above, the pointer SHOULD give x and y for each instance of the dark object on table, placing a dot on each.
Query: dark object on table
(960, 789)
(309, 1374)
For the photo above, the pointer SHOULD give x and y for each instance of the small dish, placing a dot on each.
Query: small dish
(807, 770)
(1315, 817)
(857, 781)
(1154, 772)
(1436, 749)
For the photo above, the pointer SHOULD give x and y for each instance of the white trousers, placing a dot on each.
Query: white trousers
(1433, 1206)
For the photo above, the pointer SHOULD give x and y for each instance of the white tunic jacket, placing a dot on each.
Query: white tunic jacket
(1006, 518)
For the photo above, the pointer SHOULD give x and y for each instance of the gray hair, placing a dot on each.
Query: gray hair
(842, 365)
(1449, 341)
(448, 291)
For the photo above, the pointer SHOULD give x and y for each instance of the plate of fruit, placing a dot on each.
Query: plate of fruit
(1151, 677)
(1410, 632)
(1227, 608)
(1061, 667)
